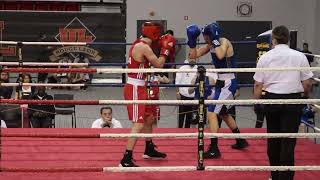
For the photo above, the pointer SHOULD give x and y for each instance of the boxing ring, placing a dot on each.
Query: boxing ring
(95, 153)
(84, 158)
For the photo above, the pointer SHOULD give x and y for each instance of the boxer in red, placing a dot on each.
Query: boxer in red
(140, 55)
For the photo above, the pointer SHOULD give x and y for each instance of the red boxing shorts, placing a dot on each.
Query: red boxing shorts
(154, 110)
(136, 112)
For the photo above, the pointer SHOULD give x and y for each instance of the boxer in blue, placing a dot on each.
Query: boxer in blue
(222, 55)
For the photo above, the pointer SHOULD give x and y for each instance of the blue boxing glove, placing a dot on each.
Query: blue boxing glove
(193, 32)
(212, 31)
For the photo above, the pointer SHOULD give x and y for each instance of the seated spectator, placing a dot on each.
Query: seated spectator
(64, 77)
(106, 120)
(81, 58)
(80, 78)
(25, 91)
(41, 115)
(61, 78)
(5, 92)
(53, 79)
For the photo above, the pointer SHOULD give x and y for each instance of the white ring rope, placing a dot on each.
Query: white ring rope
(76, 44)
(40, 84)
(45, 43)
(43, 64)
(314, 55)
(212, 135)
(316, 129)
(316, 79)
(194, 102)
(226, 102)
(182, 102)
(225, 70)
(230, 70)
(211, 168)
(317, 106)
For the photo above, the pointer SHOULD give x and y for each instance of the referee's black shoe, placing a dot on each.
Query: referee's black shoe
(240, 144)
(212, 153)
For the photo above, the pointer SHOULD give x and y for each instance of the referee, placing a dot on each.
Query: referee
(282, 118)
(185, 111)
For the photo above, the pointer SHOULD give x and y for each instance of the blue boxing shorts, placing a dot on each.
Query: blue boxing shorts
(226, 92)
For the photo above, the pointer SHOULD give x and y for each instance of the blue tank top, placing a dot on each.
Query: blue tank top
(207, 88)
(226, 62)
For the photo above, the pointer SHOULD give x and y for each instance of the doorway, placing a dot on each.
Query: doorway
(244, 53)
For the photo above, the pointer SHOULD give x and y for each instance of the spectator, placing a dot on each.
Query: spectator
(53, 78)
(306, 50)
(80, 78)
(41, 116)
(64, 77)
(106, 120)
(1, 57)
(185, 111)
(81, 58)
(25, 91)
(5, 92)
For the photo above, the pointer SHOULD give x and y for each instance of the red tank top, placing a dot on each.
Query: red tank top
(133, 64)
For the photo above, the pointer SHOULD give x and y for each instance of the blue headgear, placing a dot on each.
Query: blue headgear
(208, 29)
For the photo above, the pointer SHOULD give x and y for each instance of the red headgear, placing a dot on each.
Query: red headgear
(151, 30)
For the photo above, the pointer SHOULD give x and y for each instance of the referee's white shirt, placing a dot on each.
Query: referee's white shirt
(185, 78)
(283, 82)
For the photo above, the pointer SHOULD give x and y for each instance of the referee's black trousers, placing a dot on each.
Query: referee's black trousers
(185, 113)
(282, 119)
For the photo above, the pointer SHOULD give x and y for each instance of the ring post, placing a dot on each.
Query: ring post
(19, 45)
(201, 110)
(123, 75)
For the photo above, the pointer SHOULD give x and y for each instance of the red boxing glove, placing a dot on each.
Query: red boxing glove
(167, 43)
(172, 56)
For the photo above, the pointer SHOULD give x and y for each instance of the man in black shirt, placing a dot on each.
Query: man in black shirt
(306, 50)
(41, 115)
(5, 92)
